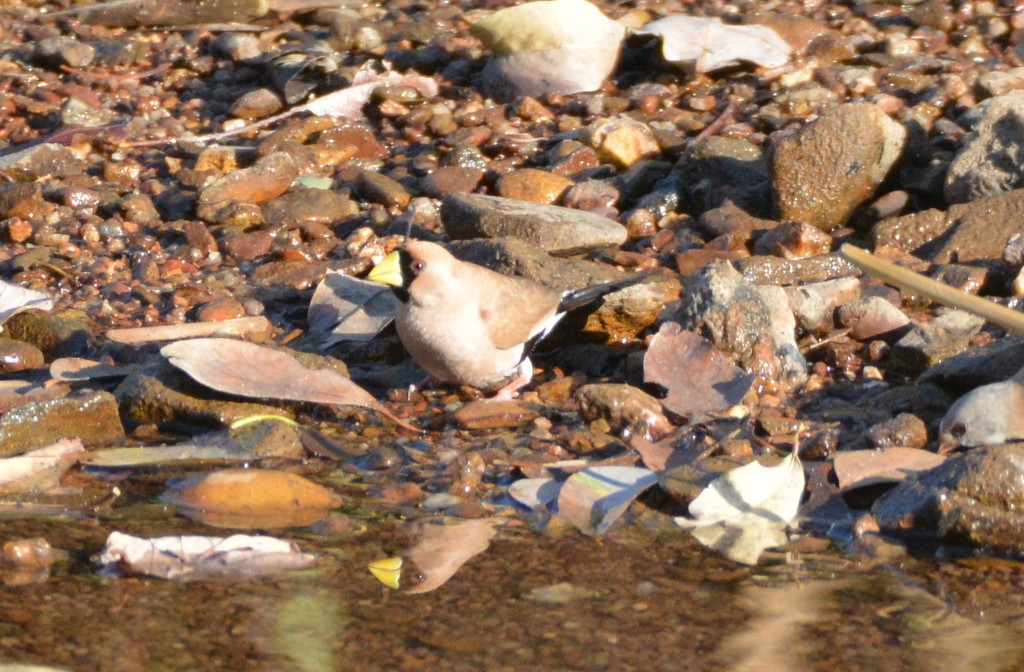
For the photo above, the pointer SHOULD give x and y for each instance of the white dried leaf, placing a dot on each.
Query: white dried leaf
(708, 44)
(748, 509)
(192, 557)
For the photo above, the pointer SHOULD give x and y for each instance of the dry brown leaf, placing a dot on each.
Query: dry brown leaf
(442, 549)
(248, 370)
(697, 376)
(859, 468)
(39, 469)
(172, 332)
(252, 498)
(77, 369)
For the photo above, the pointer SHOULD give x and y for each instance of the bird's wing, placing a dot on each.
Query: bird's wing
(515, 310)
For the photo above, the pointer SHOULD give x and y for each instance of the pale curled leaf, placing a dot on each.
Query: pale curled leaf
(39, 469)
(707, 44)
(442, 549)
(748, 509)
(15, 298)
(594, 498)
(698, 377)
(196, 557)
(742, 543)
(344, 308)
(769, 493)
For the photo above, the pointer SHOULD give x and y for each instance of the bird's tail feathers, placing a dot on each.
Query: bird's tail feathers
(577, 298)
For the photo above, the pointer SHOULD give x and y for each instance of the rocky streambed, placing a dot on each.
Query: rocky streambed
(232, 173)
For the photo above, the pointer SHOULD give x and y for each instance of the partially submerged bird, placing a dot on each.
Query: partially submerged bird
(468, 325)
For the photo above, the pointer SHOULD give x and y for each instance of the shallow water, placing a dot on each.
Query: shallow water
(634, 600)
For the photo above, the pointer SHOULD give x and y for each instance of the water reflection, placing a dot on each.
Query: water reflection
(788, 625)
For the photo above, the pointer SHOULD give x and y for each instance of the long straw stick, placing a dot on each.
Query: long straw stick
(934, 290)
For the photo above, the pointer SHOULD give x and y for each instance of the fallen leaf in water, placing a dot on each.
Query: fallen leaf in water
(698, 377)
(15, 299)
(746, 510)
(594, 498)
(535, 493)
(248, 370)
(344, 308)
(193, 558)
(39, 469)
(558, 46)
(706, 44)
(858, 468)
(252, 498)
(77, 370)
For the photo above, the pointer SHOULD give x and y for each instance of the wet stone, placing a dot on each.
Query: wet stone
(973, 499)
(38, 161)
(822, 173)
(22, 200)
(906, 430)
(451, 180)
(19, 356)
(302, 204)
(64, 334)
(621, 141)
(161, 394)
(872, 317)
(494, 414)
(552, 228)
(720, 306)
(777, 271)
(983, 166)
(731, 220)
(968, 279)
(90, 416)
(625, 408)
(793, 240)
(225, 308)
(380, 188)
(929, 343)
(268, 178)
(600, 196)
(531, 184)
(248, 246)
(814, 304)
(257, 104)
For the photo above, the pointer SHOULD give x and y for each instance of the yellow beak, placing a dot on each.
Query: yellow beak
(388, 271)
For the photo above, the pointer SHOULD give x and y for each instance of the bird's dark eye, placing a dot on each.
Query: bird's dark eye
(958, 429)
(418, 265)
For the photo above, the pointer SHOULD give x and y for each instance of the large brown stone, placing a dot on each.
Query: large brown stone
(824, 172)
